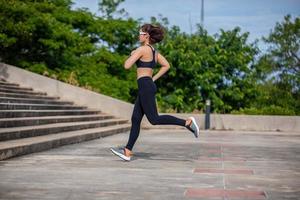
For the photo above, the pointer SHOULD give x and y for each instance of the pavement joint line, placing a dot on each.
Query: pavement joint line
(223, 171)
(213, 151)
(226, 145)
(223, 175)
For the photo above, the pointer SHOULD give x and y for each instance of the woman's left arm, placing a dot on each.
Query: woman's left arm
(135, 55)
(165, 66)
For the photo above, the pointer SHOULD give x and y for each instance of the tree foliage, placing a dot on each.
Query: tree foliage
(203, 66)
(50, 38)
(285, 51)
(279, 70)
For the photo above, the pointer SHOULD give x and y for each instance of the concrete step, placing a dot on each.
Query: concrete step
(36, 113)
(22, 92)
(32, 121)
(32, 131)
(19, 106)
(33, 101)
(6, 83)
(19, 147)
(30, 96)
(16, 88)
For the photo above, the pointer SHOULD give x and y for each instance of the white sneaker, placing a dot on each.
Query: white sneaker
(121, 153)
(193, 127)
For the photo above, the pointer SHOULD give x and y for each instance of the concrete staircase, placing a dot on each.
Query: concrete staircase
(31, 121)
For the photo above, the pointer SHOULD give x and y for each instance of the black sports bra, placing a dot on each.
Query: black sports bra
(151, 64)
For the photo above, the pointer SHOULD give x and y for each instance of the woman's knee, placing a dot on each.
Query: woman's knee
(153, 120)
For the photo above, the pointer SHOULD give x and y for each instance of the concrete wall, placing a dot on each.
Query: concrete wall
(256, 122)
(66, 91)
(241, 122)
(124, 110)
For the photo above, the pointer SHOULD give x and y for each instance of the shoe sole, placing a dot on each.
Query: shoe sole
(197, 131)
(120, 155)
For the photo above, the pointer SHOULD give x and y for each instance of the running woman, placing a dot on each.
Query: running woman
(145, 57)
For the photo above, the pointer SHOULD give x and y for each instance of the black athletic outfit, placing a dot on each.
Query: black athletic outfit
(145, 104)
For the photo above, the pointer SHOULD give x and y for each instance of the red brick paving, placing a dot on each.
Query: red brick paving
(202, 158)
(225, 193)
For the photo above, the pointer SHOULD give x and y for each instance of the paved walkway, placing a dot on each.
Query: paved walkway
(167, 165)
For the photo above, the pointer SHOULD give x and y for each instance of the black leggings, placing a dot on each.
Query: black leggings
(146, 104)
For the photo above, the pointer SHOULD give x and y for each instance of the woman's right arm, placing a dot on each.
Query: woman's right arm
(165, 66)
(135, 55)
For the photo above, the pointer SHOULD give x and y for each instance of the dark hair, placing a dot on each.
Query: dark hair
(156, 32)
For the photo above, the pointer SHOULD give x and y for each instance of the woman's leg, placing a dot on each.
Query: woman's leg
(136, 118)
(149, 106)
(148, 103)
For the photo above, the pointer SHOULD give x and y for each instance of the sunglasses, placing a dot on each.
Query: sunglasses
(143, 33)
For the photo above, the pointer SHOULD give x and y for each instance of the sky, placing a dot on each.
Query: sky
(258, 17)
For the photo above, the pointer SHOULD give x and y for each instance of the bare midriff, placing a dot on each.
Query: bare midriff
(141, 72)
